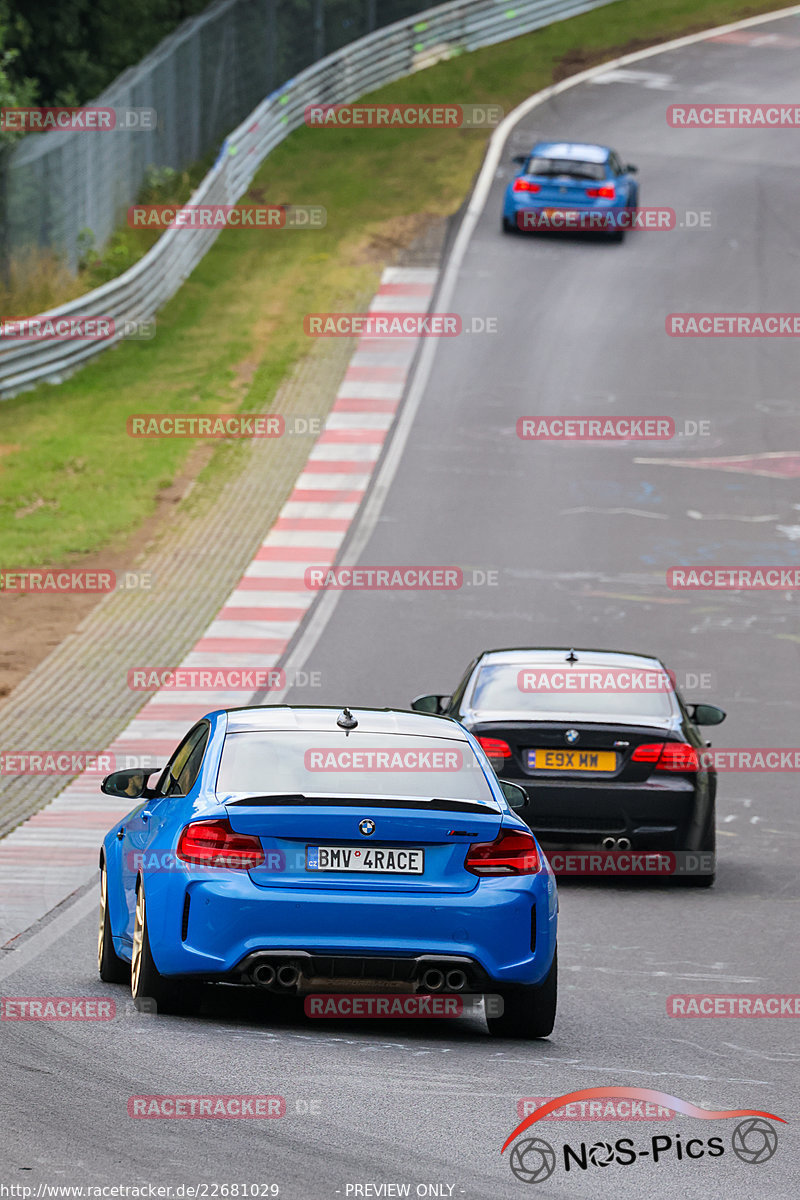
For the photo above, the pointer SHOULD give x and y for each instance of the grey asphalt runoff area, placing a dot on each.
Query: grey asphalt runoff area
(580, 536)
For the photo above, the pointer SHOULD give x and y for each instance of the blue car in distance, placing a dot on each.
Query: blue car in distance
(571, 186)
(304, 849)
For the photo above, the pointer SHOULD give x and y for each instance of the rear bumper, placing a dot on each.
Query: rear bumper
(518, 202)
(506, 927)
(672, 814)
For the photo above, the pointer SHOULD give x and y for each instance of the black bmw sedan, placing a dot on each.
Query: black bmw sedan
(609, 753)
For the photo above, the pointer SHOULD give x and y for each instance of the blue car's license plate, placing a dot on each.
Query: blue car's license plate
(377, 861)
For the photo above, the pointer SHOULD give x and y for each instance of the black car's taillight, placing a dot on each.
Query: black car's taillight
(496, 750)
(668, 756)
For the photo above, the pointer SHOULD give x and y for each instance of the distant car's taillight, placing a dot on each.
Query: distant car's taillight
(496, 750)
(606, 192)
(214, 844)
(525, 185)
(668, 756)
(511, 853)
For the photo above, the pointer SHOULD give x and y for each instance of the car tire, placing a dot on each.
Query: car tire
(708, 846)
(152, 992)
(528, 1012)
(508, 226)
(111, 967)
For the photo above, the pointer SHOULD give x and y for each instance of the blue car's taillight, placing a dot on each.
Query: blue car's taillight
(214, 844)
(513, 852)
(606, 192)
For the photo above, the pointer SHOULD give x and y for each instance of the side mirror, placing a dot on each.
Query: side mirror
(431, 704)
(520, 159)
(631, 169)
(516, 796)
(128, 785)
(706, 714)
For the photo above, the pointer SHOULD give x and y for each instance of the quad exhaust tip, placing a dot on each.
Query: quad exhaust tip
(287, 976)
(433, 979)
(264, 975)
(456, 981)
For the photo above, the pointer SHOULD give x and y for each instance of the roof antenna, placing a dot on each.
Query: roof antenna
(346, 720)
(572, 657)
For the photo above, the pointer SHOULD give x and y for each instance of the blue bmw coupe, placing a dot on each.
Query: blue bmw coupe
(290, 848)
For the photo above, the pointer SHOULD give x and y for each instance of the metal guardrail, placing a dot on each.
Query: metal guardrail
(359, 68)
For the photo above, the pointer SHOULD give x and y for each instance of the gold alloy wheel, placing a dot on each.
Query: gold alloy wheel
(138, 935)
(102, 930)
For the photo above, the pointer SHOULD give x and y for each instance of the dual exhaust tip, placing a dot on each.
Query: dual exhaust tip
(435, 980)
(611, 843)
(285, 977)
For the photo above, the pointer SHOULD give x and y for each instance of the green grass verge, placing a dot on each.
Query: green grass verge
(73, 482)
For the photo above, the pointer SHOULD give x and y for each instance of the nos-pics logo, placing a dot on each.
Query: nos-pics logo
(533, 1159)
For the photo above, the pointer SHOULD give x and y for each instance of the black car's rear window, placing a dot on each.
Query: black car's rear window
(581, 691)
(566, 166)
(361, 764)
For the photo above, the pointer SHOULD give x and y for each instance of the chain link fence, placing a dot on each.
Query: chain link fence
(61, 188)
(341, 77)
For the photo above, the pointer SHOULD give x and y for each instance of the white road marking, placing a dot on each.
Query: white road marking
(631, 512)
(649, 79)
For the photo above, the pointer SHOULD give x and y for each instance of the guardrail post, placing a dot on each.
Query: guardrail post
(5, 248)
(272, 46)
(319, 29)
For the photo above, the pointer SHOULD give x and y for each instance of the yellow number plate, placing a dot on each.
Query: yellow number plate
(572, 760)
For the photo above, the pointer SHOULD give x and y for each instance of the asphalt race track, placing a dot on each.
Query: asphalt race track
(580, 537)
